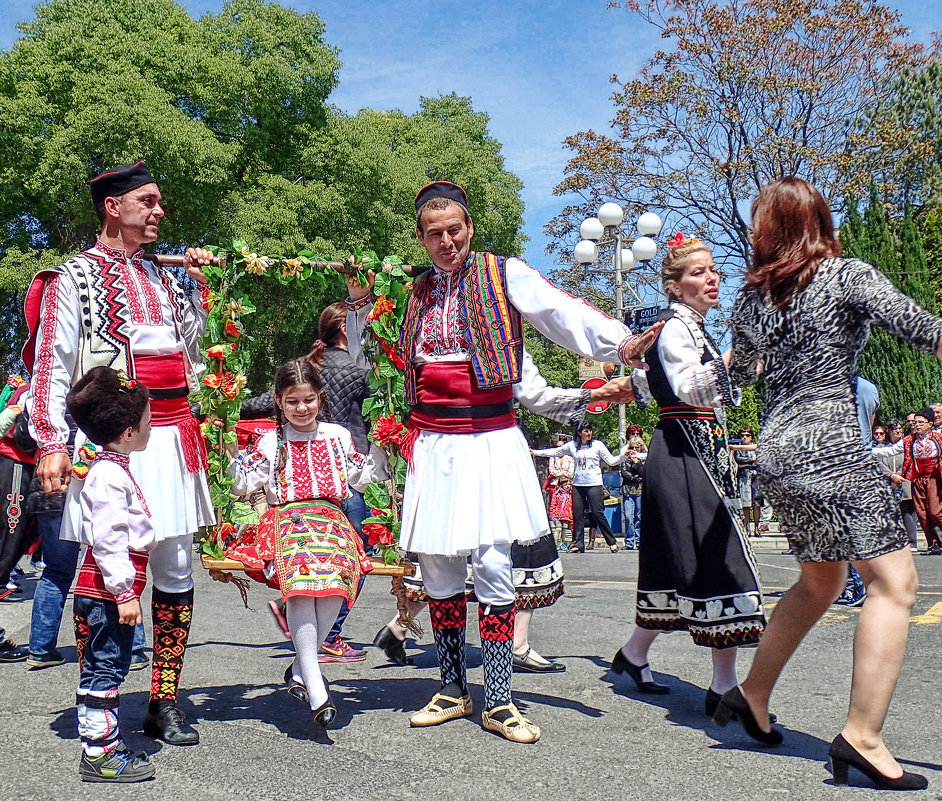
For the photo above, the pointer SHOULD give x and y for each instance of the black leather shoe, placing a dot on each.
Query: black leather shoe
(324, 714)
(528, 664)
(296, 689)
(621, 665)
(733, 705)
(164, 721)
(392, 646)
(843, 755)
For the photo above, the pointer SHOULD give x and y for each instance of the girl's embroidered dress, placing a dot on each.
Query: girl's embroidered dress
(304, 543)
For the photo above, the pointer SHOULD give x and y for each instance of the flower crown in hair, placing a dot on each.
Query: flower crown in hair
(677, 241)
(125, 384)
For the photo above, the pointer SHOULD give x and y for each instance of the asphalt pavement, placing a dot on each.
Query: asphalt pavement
(601, 739)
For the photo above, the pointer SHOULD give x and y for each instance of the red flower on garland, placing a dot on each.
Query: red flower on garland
(220, 351)
(388, 430)
(394, 357)
(212, 380)
(232, 329)
(380, 307)
(377, 533)
(232, 385)
(207, 298)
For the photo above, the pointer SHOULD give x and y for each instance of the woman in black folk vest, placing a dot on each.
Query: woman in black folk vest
(696, 570)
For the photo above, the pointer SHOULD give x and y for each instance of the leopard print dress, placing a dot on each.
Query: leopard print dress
(824, 484)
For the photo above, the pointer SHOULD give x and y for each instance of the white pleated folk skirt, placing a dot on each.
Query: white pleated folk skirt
(464, 491)
(178, 501)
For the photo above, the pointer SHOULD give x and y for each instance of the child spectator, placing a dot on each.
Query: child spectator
(114, 413)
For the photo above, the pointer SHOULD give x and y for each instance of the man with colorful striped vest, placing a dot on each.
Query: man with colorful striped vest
(110, 305)
(471, 488)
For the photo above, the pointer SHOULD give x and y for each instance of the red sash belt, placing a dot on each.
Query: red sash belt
(925, 467)
(91, 584)
(165, 377)
(452, 386)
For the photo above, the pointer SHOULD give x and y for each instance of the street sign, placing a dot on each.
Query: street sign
(590, 368)
(601, 406)
(642, 318)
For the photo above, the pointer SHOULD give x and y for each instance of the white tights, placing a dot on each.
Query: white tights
(309, 620)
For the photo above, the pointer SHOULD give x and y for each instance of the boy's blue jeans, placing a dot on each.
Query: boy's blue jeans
(106, 650)
(61, 558)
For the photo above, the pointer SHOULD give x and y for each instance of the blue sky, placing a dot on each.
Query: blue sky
(539, 68)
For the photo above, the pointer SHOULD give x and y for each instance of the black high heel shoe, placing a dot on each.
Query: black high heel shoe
(621, 665)
(843, 755)
(712, 701)
(733, 705)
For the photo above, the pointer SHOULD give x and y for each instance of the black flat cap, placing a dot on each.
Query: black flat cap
(119, 181)
(441, 189)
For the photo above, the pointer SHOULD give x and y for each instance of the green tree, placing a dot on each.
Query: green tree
(903, 144)
(230, 112)
(908, 379)
(747, 414)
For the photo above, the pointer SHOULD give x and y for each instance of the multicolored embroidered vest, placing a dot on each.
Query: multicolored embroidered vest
(495, 327)
(104, 337)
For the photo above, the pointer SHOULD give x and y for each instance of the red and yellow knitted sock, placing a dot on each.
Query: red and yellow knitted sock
(172, 613)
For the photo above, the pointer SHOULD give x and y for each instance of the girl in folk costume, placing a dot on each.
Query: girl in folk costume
(695, 568)
(114, 413)
(559, 486)
(305, 544)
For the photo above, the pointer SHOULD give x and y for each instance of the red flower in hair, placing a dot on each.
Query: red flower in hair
(232, 329)
(677, 241)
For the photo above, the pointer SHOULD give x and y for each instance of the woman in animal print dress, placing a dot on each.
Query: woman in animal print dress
(804, 316)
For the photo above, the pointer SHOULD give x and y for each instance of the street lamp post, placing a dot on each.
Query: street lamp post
(643, 248)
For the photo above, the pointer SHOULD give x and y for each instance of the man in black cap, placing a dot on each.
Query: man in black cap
(471, 488)
(111, 305)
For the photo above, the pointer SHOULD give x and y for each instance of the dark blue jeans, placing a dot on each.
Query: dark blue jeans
(355, 510)
(108, 652)
(632, 505)
(61, 558)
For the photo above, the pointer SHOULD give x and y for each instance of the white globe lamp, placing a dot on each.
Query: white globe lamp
(585, 252)
(591, 228)
(627, 259)
(644, 248)
(611, 214)
(649, 224)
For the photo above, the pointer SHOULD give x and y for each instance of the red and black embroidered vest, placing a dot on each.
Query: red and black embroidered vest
(495, 327)
(104, 338)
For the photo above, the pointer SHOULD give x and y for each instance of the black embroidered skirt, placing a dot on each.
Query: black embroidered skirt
(696, 568)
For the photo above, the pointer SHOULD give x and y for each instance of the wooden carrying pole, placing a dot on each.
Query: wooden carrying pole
(173, 260)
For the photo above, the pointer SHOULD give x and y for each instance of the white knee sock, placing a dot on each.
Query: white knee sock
(305, 616)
